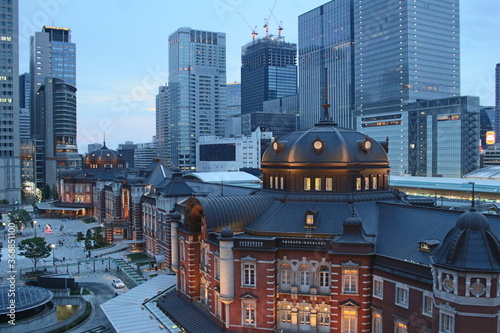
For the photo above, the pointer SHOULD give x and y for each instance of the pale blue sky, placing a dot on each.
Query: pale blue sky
(122, 51)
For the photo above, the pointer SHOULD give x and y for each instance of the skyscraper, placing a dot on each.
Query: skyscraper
(268, 71)
(53, 55)
(163, 123)
(497, 99)
(326, 36)
(377, 51)
(55, 131)
(10, 168)
(197, 84)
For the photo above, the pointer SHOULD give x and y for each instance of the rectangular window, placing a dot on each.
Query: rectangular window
(402, 295)
(329, 184)
(374, 182)
(217, 267)
(427, 304)
(400, 327)
(323, 319)
(358, 184)
(309, 219)
(286, 276)
(249, 314)
(307, 184)
(282, 183)
(446, 323)
(286, 316)
(317, 184)
(378, 287)
(181, 250)
(377, 322)
(350, 276)
(349, 321)
(249, 274)
(304, 277)
(271, 182)
(304, 318)
(367, 183)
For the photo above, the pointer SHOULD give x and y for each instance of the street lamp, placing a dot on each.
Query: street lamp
(53, 246)
(472, 183)
(34, 226)
(5, 230)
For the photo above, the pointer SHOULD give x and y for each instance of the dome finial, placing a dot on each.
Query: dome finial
(325, 118)
(104, 141)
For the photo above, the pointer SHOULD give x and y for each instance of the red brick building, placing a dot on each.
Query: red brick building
(326, 246)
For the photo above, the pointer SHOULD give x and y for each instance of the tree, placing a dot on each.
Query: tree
(35, 248)
(46, 192)
(53, 193)
(20, 218)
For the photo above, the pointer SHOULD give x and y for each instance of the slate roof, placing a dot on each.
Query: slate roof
(190, 317)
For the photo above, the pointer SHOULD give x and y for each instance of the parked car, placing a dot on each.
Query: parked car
(117, 283)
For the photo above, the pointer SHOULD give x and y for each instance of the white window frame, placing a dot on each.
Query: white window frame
(248, 274)
(378, 287)
(324, 319)
(248, 315)
(402, 295)
(349, 320)
(304, 276)
(350, 280)
(427, 295)
(323, 277)
(377, 321)
(286, 275)
(304, 318)
(446, 322)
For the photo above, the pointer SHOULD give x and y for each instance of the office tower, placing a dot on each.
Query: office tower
(53, 55)
(55, 131)
(377, 51)
(10, 167)
(233, 99)
(144, 155)
(197, 83)
(326, 36)
(405, 51)
(497, 99)
(429, 138)
(91, 147)
(268, 71)
(163, 124)
(127, 151)
(24, 90)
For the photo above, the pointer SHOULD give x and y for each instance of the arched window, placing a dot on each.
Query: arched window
(304, 278)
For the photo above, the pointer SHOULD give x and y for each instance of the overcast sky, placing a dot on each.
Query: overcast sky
(122, 51)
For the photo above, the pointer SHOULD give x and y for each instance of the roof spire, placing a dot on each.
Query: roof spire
(104, 142)
(325, 118)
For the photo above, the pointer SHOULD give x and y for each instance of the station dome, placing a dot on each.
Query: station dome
(104, 158)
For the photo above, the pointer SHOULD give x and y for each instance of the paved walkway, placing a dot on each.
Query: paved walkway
(67, 249)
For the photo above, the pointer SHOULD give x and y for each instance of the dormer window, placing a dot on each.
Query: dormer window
(310, 218)
(428, 245)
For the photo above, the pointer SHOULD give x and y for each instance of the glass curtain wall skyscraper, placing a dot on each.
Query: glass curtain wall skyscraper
(53, 107)
(197, 86)
(268, 71)
(326, 41)
(10, 168)
(377, 51)
(406, 50)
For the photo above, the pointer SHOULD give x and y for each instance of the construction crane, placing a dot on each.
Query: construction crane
(266, 20)
(280, 24)
(254, 33)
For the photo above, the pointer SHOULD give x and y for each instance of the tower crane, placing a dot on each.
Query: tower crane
(254, 33)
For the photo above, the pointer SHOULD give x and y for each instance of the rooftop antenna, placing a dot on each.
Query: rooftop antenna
(326, 119)
(104, 142)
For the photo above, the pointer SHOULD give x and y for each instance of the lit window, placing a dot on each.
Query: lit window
(378, 287)
(358, 183)
(329, 184)
(286, 316)
(374, 182)
(249, 274)
(402, 295)
(270, 181)
(309, 219)
(377, 322)
(317, 184)
(304, 318)
(249, 314)
(323, 319)
(400, 327)
(367, 183)
(349, 321)
(427, 304)
(282, 183)
(446, 323)
(307, 184)
(350, 276)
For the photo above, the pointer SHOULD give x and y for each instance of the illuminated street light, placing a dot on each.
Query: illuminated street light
(53, 246)
(34, 226)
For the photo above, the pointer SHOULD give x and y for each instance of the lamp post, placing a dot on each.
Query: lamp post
(5, 230)
(472, 183)
(53, 246)
(34, 226)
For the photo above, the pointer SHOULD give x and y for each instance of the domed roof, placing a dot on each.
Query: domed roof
(226, 232)
(104, 157)
(470, 245)
(325, 144)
